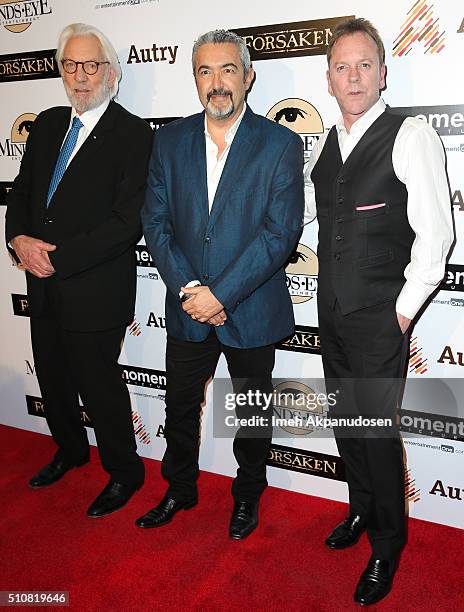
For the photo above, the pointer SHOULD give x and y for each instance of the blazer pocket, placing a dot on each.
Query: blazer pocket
(366, 211)
(375, 260)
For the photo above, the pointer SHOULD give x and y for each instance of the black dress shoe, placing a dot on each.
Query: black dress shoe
(244, 519)
(52, 472)
(347, 533)
(376, 581)
(114, 496)
(164, 512)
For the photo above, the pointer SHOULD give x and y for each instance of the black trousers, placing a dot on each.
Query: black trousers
(69, 364)
(189, 365)
(364, 355)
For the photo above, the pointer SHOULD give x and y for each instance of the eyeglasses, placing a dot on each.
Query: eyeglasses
(70, 66)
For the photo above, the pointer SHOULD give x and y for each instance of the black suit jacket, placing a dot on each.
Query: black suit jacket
(93, 217)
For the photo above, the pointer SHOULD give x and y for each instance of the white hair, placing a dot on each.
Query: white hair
(109, 52)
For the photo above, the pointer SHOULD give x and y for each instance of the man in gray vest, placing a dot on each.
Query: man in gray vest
(377, 183)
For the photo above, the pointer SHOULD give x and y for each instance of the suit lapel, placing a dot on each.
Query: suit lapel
(196, 160)
(237, 161)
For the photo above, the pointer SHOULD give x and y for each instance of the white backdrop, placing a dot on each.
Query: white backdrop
(424, 76)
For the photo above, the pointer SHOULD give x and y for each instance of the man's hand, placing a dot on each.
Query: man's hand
(33, 254)
(202, 305)
(403, 322)
(218, 319)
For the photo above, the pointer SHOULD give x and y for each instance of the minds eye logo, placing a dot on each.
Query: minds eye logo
(301, 270)
(15, 146)
(301, 117)
(18, 16)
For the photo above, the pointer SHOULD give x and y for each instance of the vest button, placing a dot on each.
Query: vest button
(337, 256)
(340, 180)
(339, 219)
(340, 200)
(338, 237)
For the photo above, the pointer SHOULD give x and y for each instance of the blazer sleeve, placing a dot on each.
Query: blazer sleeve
(267, 252)
(158, 227)
(122, 228)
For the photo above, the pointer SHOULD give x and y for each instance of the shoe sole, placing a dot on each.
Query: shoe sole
(335, 547)
(187, 506)
(242, 537)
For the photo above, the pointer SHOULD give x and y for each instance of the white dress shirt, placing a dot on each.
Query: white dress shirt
(89, 119)
(215, 165)
(419, 162)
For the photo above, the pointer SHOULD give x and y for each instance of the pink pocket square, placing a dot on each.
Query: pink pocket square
(370, 206)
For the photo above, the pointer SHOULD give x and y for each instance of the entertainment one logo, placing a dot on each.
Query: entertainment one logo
(295, 39)
(447, 120)
(18, 16)
(301, 117)
(28, 66)
(454, 278)
(420, 29)
(20, 305)
(144, 377)
(156, 122)
(304, 340)
(14, 146)
(5, 188)
(306, 462)
(434, 425)
(301, 270)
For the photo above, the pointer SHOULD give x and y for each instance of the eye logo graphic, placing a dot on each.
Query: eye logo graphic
(421, 27)
(301, 270)
(301, 117)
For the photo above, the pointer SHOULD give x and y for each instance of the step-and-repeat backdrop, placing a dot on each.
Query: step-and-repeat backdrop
(424, 44)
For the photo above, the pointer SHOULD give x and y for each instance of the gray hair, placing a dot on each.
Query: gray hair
(224, 36)
(109, 52)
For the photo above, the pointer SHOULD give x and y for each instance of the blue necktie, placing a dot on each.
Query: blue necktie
(63, 157)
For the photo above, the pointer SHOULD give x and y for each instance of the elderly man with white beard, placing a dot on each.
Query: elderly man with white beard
(73, 220)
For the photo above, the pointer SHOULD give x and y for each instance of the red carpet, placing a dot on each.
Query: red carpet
(47, 543)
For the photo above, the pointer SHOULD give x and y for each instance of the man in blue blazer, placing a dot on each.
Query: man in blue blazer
(222, 214)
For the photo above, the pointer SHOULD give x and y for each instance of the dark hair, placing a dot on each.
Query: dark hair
(353, 26)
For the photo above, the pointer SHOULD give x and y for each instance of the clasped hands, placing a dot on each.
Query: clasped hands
(203, 307)
(33, 255)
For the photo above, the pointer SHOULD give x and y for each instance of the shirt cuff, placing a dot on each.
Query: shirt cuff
(411, 299)
(194, 283)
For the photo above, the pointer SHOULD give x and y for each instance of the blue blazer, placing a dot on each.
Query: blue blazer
(240, 248)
